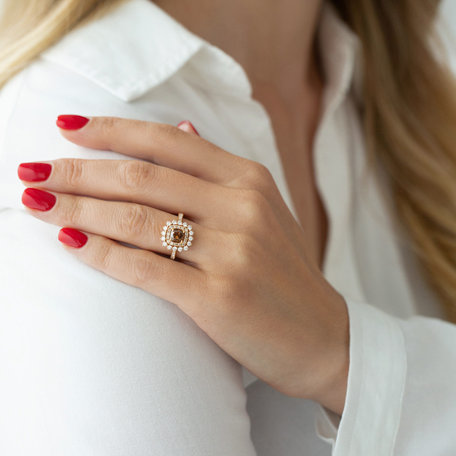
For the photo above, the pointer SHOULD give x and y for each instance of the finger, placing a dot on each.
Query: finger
(143, 269)
(159, 143)
(130, 180)
(135, 224)
(188, 127)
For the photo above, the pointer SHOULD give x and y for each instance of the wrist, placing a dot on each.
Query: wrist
(331, 386)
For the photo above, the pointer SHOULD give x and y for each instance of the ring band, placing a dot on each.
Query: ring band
(177, 235)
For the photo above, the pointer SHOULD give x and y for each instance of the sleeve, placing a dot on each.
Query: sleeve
(401, 392)
(89, 364)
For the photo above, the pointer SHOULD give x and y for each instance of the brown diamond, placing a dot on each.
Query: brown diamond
(177, 235)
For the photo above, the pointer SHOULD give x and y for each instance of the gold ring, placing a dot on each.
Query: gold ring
(177, 235)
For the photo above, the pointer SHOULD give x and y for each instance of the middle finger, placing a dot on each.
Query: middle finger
(131, 180)
(132, 223)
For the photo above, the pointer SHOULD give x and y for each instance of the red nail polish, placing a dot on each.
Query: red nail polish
(34, 172)
(35, 198)
(72, 237)
(71, 122)
(187, 122)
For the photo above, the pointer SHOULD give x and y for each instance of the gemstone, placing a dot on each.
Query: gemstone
(177, 235)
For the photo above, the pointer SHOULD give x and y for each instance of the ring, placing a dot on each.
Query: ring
(177, 235)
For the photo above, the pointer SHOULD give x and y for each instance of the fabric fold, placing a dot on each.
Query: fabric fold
(376, 381)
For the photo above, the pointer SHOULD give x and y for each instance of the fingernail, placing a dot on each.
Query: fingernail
(186, 125)
(35, 198)
(72, 237)
(34, 172)
(71, 122)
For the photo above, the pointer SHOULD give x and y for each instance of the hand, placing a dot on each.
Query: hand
(247, 280)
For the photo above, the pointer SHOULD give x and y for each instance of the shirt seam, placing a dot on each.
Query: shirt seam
(404, 361)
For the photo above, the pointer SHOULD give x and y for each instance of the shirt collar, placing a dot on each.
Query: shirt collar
(138, 46)
(339, 49)
(128, 51)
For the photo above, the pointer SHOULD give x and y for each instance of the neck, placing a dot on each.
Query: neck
(273, 40)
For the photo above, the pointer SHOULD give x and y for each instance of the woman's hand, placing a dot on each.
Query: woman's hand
(247, 280)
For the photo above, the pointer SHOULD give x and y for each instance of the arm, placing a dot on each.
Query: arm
(91, 365)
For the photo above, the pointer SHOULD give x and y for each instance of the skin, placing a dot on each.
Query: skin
(251, 286)
(274, 41)
(270, 306)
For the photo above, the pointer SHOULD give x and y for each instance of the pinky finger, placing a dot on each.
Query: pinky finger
(171, 280)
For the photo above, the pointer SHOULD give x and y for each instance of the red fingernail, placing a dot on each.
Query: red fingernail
(187, 122)
(72, 237)
(35, 198)
(71, 122)
(34, 172)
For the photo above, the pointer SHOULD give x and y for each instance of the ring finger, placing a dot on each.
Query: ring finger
(132, 223)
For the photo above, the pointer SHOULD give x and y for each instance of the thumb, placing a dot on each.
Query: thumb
(187, 126)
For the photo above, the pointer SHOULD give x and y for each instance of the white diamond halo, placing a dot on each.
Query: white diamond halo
(177, 235)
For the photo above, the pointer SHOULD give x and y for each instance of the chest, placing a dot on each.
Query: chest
(299, 169)
(295, 125)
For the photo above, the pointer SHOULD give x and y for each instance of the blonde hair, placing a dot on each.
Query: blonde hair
(28, 27)
(409, 116)
(408, 109)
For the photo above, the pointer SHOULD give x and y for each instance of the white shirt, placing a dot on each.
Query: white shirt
(92, 366)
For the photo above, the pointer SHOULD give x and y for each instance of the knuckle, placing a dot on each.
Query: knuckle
(136, 175)
(246, 252)
(240, 253)
(168, 130)
(260, 172)
(230, 295)
(143, 269)
(135, 220)
(257, 176)
(73, 171)
(253, 205)
(235, 286)
(73, 212)
(102, 256)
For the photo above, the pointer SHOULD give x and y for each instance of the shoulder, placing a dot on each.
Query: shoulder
(29, 105)
(106, 67)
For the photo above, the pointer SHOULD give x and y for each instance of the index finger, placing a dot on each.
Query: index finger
(159, 143)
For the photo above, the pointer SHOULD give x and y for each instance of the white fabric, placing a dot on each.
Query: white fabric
(92, 366)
